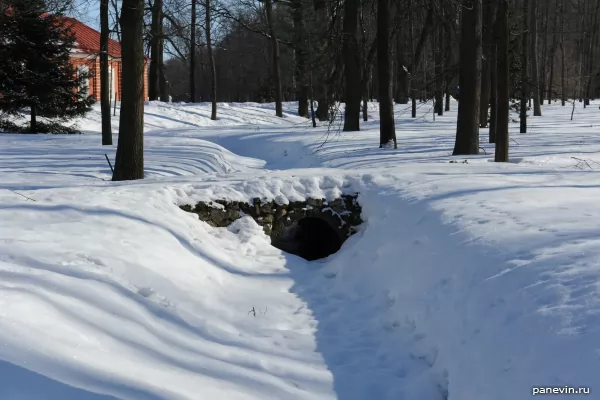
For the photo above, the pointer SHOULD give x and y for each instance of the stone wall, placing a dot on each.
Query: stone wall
(343, 215)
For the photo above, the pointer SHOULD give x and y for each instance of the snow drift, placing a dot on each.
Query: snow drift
(466, 281)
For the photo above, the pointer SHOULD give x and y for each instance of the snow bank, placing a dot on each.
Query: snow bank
(466, 282)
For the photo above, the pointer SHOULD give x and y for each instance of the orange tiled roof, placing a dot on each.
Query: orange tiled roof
(87, 40)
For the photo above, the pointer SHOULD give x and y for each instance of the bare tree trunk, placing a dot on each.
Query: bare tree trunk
(276, 59)
(524, 66)
(33, 121)
(211, 61)
(162, 79)
(402, 70)
(193, 54)
(310, 84)
(488, 21)
(411, 80)
(301, 66)
(537, 110)
(387, 129)
(494, 83)
(502, 140)
(467, 130)
(591, 54)
(438, 48)
(104, 76)
(553, 53)
(448, 59)
(352, 66)
(156, 37)
(323, 91)
(366, 81)
(563, 94)
(129, 163)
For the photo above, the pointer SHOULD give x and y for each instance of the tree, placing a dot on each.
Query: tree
(503, 89)
(387, 129)
(35, 71)
(524, 65)
(275, 59)
(553, 51)
(156, 49)
(129, 163)
(211, 61)
(193, 54)
(352, 66)
(537, 110)
(467, 131)
(104, 76)
(301, 55)
(563, 91)
(486, 68)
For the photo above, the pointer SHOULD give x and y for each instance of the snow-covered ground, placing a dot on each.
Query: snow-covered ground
(468, 281)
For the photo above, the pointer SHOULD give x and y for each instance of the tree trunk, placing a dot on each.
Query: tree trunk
(494, 83)
(563, 94)
(524, 65)
(104, 76)
(211, 62)
(33, 121)
(301, 66)
(193, 54)
(387, 128)
(553, 53)
(467, 131)
(448, 60)
(544, 58)
(352, 66)
(366, 81)
(411, 80)
(323, 91)
(537, 110)
(488, 21)
(502, 140)
(129, 163)
(591, 54)
(275, 59)
(156, 36)
(162, 79)
(438, 48)
(402, 70)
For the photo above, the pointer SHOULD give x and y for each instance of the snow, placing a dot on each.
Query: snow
(467, 281)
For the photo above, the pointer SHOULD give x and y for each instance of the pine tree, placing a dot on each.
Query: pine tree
(35, 72)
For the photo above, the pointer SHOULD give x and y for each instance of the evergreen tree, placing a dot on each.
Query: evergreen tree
(35, 72)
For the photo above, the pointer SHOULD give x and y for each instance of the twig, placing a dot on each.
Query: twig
(109, 164)
(484, 152)
(515, 141)
(22, 195)
(253, 311)
(581, 160)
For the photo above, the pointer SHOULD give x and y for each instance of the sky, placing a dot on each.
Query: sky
(87, 11)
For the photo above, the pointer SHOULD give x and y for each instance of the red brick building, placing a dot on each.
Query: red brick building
(85, 56)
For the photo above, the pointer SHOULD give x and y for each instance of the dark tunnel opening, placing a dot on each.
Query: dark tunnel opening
(311, 238)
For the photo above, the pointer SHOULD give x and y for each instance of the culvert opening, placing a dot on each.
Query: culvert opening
(311, 238)
(311, 229)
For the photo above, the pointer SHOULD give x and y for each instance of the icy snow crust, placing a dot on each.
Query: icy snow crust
(467, 281)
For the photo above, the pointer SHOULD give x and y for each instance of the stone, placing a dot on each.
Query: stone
(313, 227)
